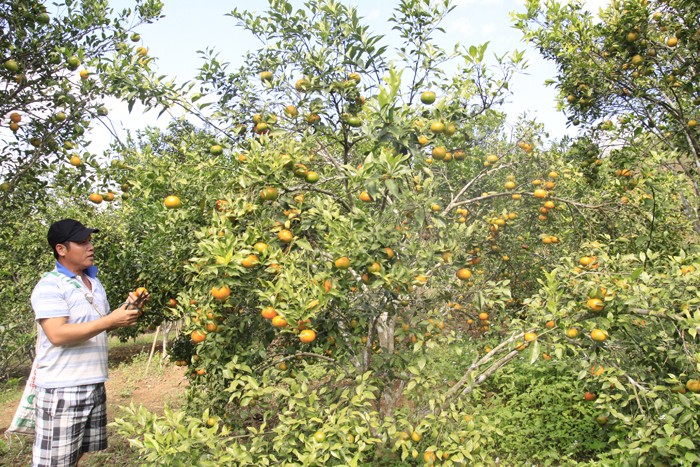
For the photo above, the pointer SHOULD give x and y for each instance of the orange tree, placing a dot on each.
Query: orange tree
(58, 66)
(632, 73)
(367, 248)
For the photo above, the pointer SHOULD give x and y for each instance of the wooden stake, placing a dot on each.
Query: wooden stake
(153, 348)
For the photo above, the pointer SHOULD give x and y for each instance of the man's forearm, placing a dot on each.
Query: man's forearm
(77, 333)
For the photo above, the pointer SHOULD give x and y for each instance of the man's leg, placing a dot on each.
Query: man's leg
(62, 416)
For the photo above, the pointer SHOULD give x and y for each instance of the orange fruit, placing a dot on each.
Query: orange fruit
(279, 322)
(285, 236)
(96, 198)
(597, 370)
(464, 274)
(595, 304)
(250, 261)
(342, 263)
(483, 316)
(540, 193)
(172, 202)
(572, 333)
(307, 335)
(198, 336)
(364, 196)
(598, 335)
(221, 293)
(589, 396)
(530, 336)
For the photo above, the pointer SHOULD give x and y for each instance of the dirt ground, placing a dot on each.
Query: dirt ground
(127, 384)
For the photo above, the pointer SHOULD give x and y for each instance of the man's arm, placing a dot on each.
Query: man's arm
(60, 332)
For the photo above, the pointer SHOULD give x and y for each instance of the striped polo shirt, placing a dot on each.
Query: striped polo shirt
(70, 365)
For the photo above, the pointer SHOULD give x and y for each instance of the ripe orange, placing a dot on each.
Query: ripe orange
(549, 204)
(15, 117)
(423, 140)
(572, 333)
(693, 385)
(266, 76)
(586, 260)
(389, 252)
(374, 267)
(172, 202)
(483, 316)
(250, 261)
(198, 336)
(530, 336)
(302, 85)
(597, 370)
(415, 436)
(464, 274)
(519, 346)
(540, 193)
(364, 196)
(221, 293)
(285, 236)
(96, 198)
(279, 322)
(307, 335)
(510, 185)
(598, 335)
(550, 324)
(589, 397)
(595, 304)
(75, 161)
(342, 263)
(420, 281)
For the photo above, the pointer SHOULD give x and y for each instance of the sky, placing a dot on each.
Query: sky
(189, 27)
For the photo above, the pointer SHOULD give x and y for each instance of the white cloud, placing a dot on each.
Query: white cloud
(488, 28)
(373, 14)
(461, 25)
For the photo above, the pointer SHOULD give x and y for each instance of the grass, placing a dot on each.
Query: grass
(142, 339)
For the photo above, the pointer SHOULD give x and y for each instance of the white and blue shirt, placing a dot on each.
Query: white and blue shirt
(56, 296)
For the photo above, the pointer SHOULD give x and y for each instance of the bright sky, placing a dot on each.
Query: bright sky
(191, 26)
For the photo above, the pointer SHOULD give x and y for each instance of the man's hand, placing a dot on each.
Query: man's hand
(137, 300)
(122, 317)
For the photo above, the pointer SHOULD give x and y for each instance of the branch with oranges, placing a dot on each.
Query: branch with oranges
(306, 354)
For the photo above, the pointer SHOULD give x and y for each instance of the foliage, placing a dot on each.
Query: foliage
(637, 64)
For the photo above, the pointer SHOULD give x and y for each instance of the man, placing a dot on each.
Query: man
(71, 308)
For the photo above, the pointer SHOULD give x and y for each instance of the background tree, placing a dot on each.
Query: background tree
(637, 65)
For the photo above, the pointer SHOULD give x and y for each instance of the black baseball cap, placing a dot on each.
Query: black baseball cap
(68, 230)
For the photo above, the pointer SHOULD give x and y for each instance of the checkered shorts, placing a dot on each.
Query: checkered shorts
(69, 422)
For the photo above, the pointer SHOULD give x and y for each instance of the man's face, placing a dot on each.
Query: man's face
(80, 254)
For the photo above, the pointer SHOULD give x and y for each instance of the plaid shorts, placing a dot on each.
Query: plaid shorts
(69, 422)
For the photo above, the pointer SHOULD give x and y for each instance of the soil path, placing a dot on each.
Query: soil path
(128, 384)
